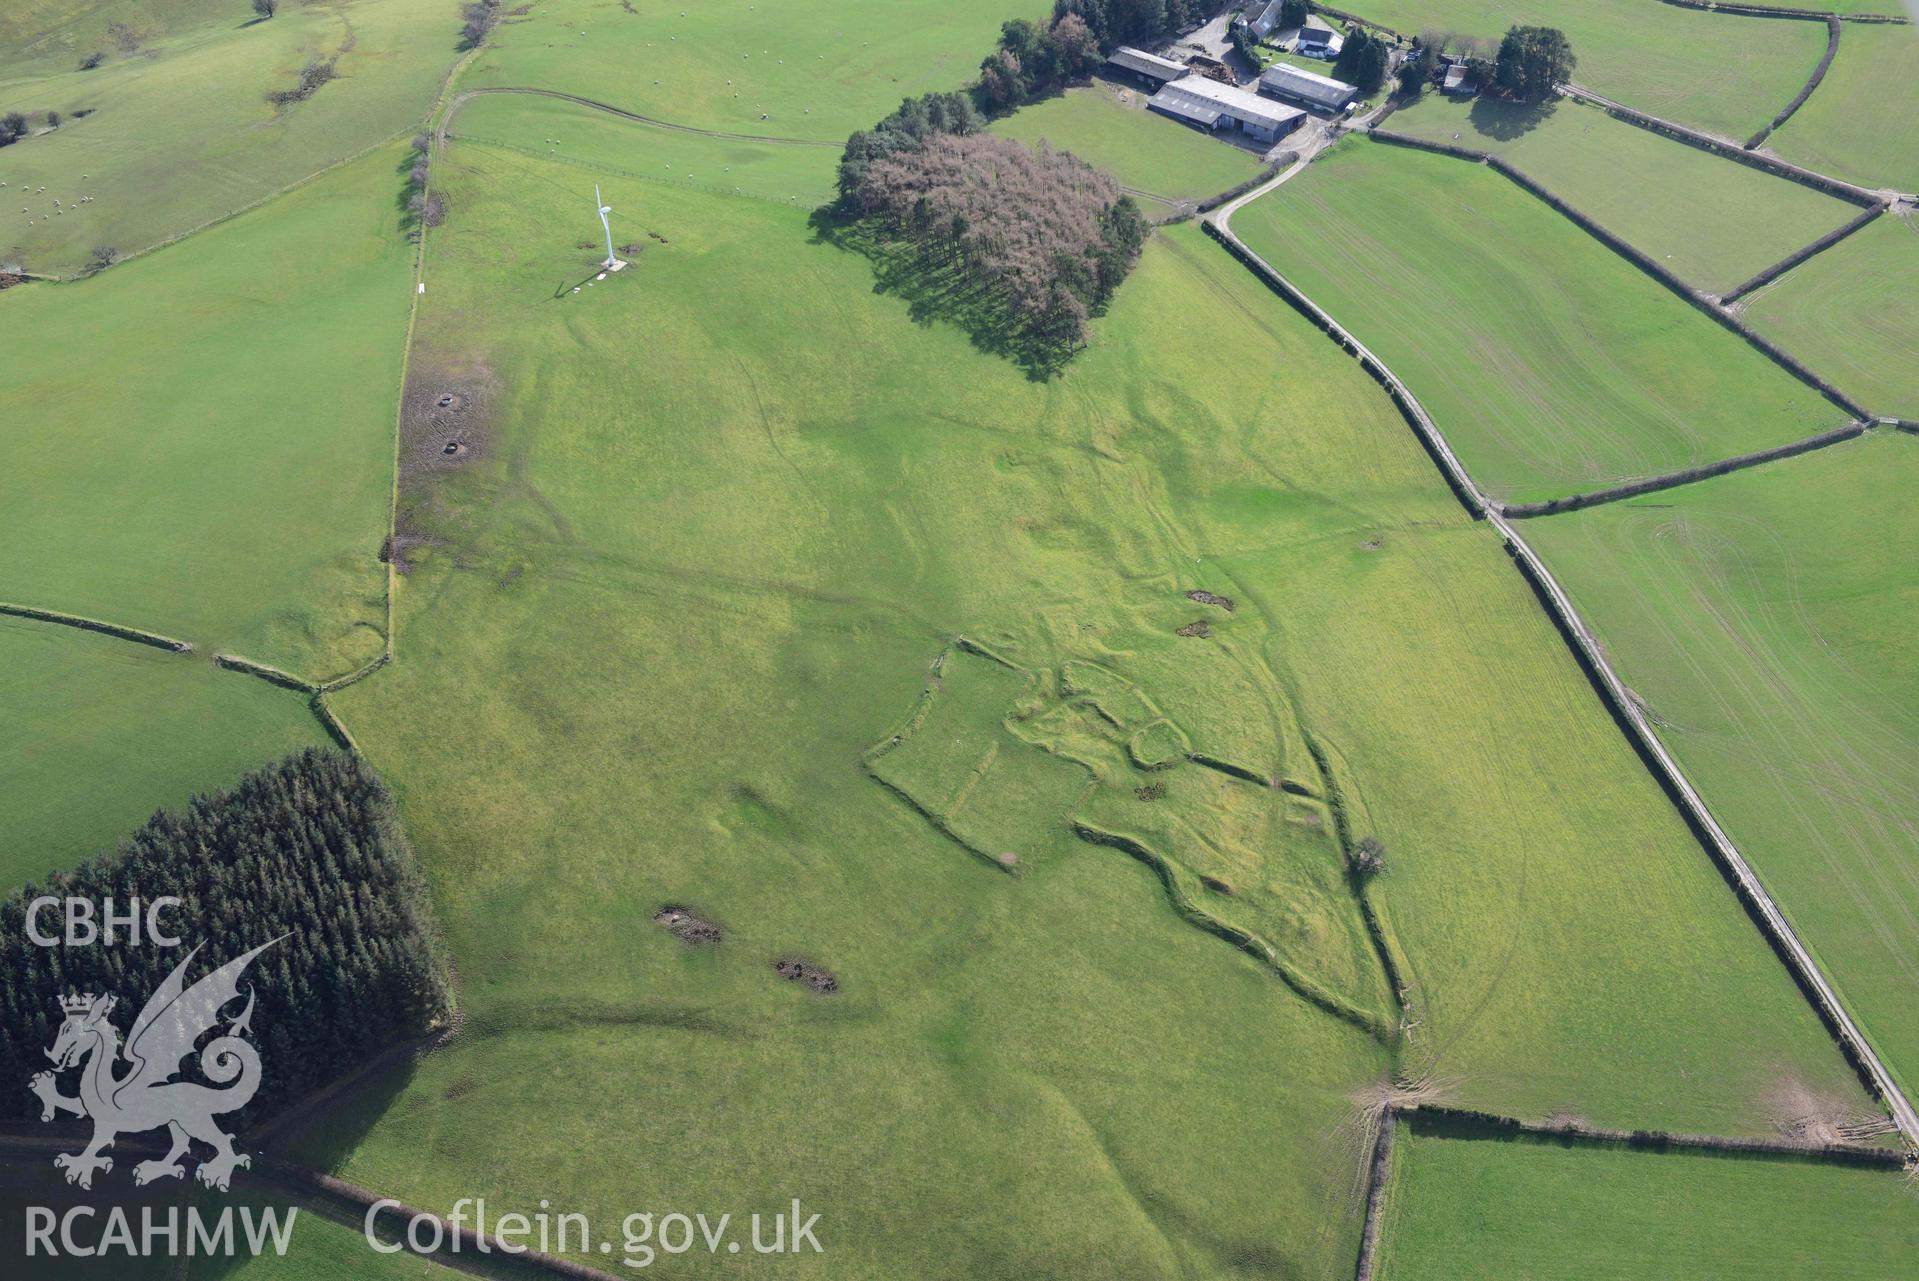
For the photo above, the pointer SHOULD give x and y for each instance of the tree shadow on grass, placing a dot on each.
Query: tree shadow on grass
(1502, 120)
(939, 288)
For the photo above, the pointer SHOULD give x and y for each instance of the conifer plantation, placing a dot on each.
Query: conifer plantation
(309, 848)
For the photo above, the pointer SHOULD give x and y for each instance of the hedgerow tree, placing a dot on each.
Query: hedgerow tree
(266, 8)
(1532, 61)
(310, 849)
(1362, 60)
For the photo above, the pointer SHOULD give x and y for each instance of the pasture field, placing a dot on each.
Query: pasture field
(1852, 313)
(801, 176)
(1467, 1208)
(810, 69)
(1712, 222)
(1765, 618)
(1862, 122)
(1553, 365)
(1717, 72)
(669, 610)
(1108, 127)
(102, 732)
(229, 486)
(181, 132)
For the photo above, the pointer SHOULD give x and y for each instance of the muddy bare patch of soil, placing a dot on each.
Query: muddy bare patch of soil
(1217, 884)
(444, 417)
(8, 280)
(794, 970)
(1199, 627)
(688, 928)
(1208, 598)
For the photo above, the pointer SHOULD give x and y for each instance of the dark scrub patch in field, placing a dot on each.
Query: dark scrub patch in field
(687, 927)
(794, 970)
(1208, 598)
(1198, 627)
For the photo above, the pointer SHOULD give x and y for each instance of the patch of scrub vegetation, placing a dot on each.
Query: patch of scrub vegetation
(1552, 364)
(230, 485)
(155, 145)
(1852, 314)
(103, 731)
(732, 506)
(1713, 71)
(1862, 122)
(1107, 125)
(820, 70)
(1765, 619)
(1458, 1207)
(1714, 223)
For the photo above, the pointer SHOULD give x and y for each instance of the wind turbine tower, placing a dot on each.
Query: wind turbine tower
(612, 263)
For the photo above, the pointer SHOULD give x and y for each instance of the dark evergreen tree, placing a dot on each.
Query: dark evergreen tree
(311, 849)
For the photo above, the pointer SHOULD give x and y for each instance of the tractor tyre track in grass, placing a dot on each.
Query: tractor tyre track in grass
(1612, 689)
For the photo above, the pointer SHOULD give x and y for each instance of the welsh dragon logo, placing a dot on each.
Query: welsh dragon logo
(145, 1096)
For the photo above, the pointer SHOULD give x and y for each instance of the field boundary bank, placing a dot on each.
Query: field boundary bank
(1781, 11)
(466, 95)
(1839, 188)
(1443, 1121)
(1778, 355)
(1805, 92)
(1614, 695)
(1378, 1172)
(82, 623)
(1243, 940)
(1685, 476)
(1799, 255)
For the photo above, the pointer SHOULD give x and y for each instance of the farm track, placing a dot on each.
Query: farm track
(1625, 707)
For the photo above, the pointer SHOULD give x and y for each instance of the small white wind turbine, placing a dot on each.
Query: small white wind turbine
(612, 263)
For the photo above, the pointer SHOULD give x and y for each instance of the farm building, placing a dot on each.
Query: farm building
(1322, 93)
(1458, 80)
(1149, 67)
(1215, 107)
(1318, 39)
(1261, 19)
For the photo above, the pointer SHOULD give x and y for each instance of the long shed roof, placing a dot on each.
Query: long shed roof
(1296, 82)
(1193, 97)
(1143, 63)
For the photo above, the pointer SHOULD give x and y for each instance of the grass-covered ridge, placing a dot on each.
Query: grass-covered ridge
(1552, 364)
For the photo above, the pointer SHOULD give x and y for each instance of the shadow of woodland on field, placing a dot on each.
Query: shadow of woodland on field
(938, 286)
(1504, 121)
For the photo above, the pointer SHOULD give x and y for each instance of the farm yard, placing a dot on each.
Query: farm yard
(1159, 794)
(1109, 127)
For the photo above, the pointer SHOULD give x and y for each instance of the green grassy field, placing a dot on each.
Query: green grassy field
(1109, 128)
(1851, 313)
(1472, 1208)
(678, 598)
(1862, 122)
(105, 731)
(180, 133)
(1765, 618)
(1713, 71)
(230, 485)
(1552, 364)
(1713, 223)
(817, 69)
